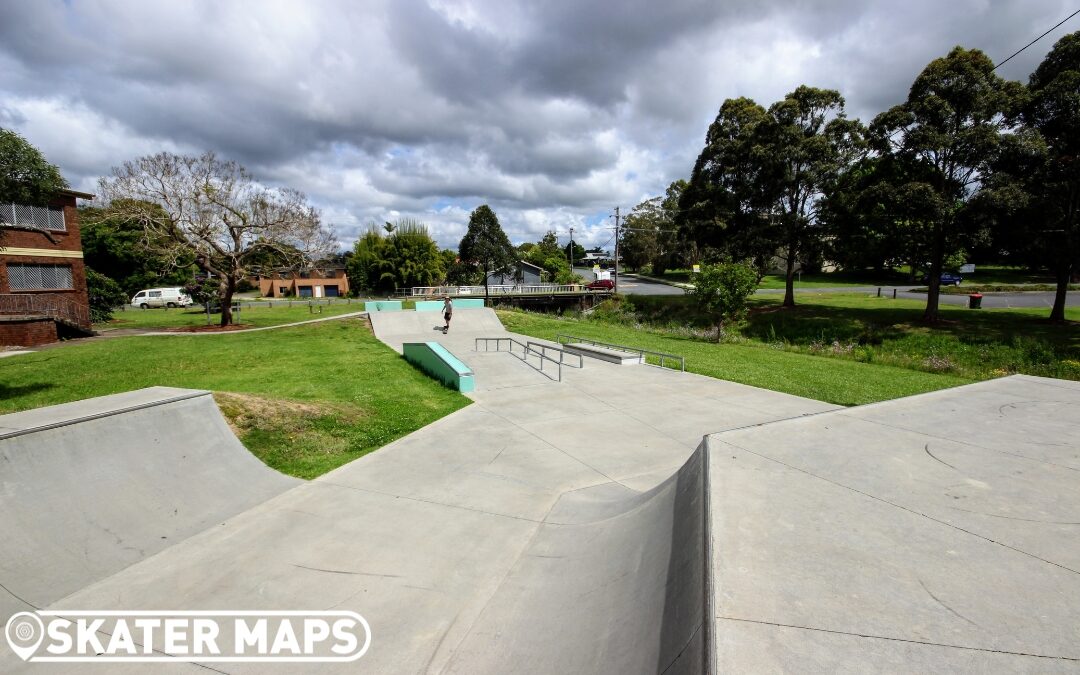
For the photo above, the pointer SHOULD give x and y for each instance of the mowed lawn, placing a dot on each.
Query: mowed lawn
(260, 314)
(847, 349)
(304, 399)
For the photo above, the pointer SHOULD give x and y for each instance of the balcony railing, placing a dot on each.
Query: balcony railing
(56, 307)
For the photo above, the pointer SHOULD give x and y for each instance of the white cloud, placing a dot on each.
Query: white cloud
(553, 113)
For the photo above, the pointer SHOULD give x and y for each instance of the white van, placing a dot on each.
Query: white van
(161, 297)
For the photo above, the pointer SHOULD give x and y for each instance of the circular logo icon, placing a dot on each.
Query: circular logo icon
(24, 633)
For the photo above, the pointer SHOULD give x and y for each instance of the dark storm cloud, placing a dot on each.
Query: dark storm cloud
(552, 112)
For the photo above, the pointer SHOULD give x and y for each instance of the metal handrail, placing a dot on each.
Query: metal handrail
(55, 307)
(569, 339)
(526, 350)
(562, 352)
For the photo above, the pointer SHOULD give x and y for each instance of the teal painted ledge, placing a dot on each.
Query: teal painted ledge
(382, 306)
(459, 303)
(436, 361)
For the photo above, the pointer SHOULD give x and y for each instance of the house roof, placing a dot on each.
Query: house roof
(76, 193)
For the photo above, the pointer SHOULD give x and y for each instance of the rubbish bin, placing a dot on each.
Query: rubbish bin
(975, 301)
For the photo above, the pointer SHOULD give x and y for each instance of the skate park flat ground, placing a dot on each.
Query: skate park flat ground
(562, 527)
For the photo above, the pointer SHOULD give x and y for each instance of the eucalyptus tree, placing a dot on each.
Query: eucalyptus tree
(949, 130)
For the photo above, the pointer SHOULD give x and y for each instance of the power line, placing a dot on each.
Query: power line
(1017, 52)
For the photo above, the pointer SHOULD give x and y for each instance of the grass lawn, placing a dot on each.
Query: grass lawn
(818, 377)
(842, 348)
(256, 316)
(304, 400)
(984, 275)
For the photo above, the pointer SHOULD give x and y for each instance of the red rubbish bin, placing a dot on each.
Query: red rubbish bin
(975, 301)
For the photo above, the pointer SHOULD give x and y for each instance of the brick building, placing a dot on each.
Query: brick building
(42, 275)
(328, 281)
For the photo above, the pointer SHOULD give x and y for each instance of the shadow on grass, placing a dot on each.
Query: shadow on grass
(8, 391)
(809, 323)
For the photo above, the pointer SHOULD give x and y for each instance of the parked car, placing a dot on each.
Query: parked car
(601, 285)
(947, 279)
(161, 297)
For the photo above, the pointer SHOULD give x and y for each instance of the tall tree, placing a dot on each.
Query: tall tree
(26, 177)
(117, 248)
(721, 208)
(806, 142)
(485, 245)
(951, 128)
(215, 212)
(1054, 111)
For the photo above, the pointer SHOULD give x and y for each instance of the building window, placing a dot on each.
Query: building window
(330, 291)
(33, 217)
(39, 277)
(283, 290)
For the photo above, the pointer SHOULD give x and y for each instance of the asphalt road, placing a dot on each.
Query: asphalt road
(629, 284)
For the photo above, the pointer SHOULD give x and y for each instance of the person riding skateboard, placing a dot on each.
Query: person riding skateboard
(447, 313)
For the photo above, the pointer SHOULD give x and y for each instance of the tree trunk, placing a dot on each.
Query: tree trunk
(937, 260)
(719, 329)
(228, 287)
(487, 296)
(1064, 275)
(789, 282)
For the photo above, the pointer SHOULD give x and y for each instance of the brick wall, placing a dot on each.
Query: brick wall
(28, 332)
(70, 240)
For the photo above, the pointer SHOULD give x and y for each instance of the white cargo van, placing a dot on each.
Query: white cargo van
(161, 297)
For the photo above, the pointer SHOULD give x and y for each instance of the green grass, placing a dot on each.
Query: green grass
(312, 397)
(843, 348)
(987, 275)
(761, 365)
(256, 316)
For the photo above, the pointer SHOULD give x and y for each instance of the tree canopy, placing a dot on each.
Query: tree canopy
(947, 135)
(485, 245)
(26, 177)
(214, 212)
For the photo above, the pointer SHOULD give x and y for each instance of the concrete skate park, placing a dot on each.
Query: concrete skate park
(698, 526)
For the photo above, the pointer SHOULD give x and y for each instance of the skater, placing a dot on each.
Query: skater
(447, 313)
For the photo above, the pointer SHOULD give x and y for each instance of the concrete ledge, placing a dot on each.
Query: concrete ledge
(436, 361)
(459, 303)
(604, 354)
(382, 306)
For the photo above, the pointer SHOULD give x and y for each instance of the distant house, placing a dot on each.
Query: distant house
(524, 273)
(325, 281)
(43, 294)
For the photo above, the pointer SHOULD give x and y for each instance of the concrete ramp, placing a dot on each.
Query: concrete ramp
(90, 488)
(395, 328)
(612, 582)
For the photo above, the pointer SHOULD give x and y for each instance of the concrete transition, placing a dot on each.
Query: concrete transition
(584, 526)
(90, 488)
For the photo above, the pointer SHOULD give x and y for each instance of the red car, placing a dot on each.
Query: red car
(601, 285)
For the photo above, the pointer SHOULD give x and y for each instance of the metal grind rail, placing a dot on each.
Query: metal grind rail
(527, 349)
(562, 338)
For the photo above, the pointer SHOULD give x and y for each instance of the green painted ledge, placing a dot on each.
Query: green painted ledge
(436, 361)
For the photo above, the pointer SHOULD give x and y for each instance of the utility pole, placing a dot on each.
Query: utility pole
(616, 217)
(571, 251)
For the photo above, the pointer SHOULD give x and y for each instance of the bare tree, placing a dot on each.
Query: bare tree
(214, 211)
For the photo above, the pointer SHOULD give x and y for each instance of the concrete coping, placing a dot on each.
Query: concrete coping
(454, 362)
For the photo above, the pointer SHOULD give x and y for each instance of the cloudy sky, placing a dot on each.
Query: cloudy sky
(551, 111)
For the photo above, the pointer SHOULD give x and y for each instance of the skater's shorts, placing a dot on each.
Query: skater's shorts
(446, 316)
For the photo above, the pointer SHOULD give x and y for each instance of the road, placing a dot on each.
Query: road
(630, 284)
